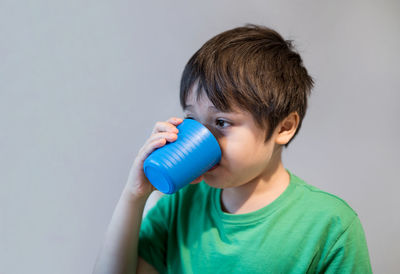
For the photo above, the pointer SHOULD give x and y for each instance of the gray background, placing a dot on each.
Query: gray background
(83, 82)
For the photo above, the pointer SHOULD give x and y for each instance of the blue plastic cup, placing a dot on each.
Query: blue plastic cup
(175, 165)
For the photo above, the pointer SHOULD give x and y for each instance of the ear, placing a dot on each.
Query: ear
(287, 128)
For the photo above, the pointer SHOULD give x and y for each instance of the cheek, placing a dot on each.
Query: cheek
(240, 156)
(238, 153)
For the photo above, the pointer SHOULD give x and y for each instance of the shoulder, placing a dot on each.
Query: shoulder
(322, 203)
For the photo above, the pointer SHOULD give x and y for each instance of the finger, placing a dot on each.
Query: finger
(164, 127)
(147, 149)
(170, 137)
(169, 125)
(175, 120)
(157, 140)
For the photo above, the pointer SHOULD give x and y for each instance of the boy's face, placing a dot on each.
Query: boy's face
(245, 157)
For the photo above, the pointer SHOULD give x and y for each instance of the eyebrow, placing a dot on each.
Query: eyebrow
(210, 108)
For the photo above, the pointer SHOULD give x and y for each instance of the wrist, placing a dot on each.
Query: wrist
(134, 196)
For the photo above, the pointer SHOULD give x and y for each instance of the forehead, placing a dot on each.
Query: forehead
(202, 102)
(210, 108)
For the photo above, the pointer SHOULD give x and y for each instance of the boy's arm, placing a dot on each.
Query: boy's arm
(349, 254)
(119, 252)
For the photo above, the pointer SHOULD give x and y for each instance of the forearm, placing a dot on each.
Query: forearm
(119, 251)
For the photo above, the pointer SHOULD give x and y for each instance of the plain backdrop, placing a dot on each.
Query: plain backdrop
(82, 84)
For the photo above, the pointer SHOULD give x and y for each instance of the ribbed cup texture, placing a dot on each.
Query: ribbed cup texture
(194, 152)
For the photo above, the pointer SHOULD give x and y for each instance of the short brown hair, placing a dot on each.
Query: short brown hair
(253, 68)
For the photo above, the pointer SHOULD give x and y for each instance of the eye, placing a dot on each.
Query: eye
(220, 123)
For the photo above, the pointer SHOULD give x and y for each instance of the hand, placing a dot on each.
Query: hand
(138, 184)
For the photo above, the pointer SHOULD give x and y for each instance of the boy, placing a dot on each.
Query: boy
(249, 214)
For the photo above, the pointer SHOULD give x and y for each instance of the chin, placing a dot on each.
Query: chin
(214, 182)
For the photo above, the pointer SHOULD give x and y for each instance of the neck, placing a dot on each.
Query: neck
(257, 193)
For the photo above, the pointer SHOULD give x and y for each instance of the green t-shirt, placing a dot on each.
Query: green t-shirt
(304, 230)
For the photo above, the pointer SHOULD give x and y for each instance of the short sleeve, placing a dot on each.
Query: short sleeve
(349, 254)
(153, 234)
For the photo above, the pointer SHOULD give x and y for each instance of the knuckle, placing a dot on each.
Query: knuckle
(160, 142)
(157, 136)
(167, 126)
(170, 134)
(162, 126)
(172, 128)
(171, 119)
(167, 134)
